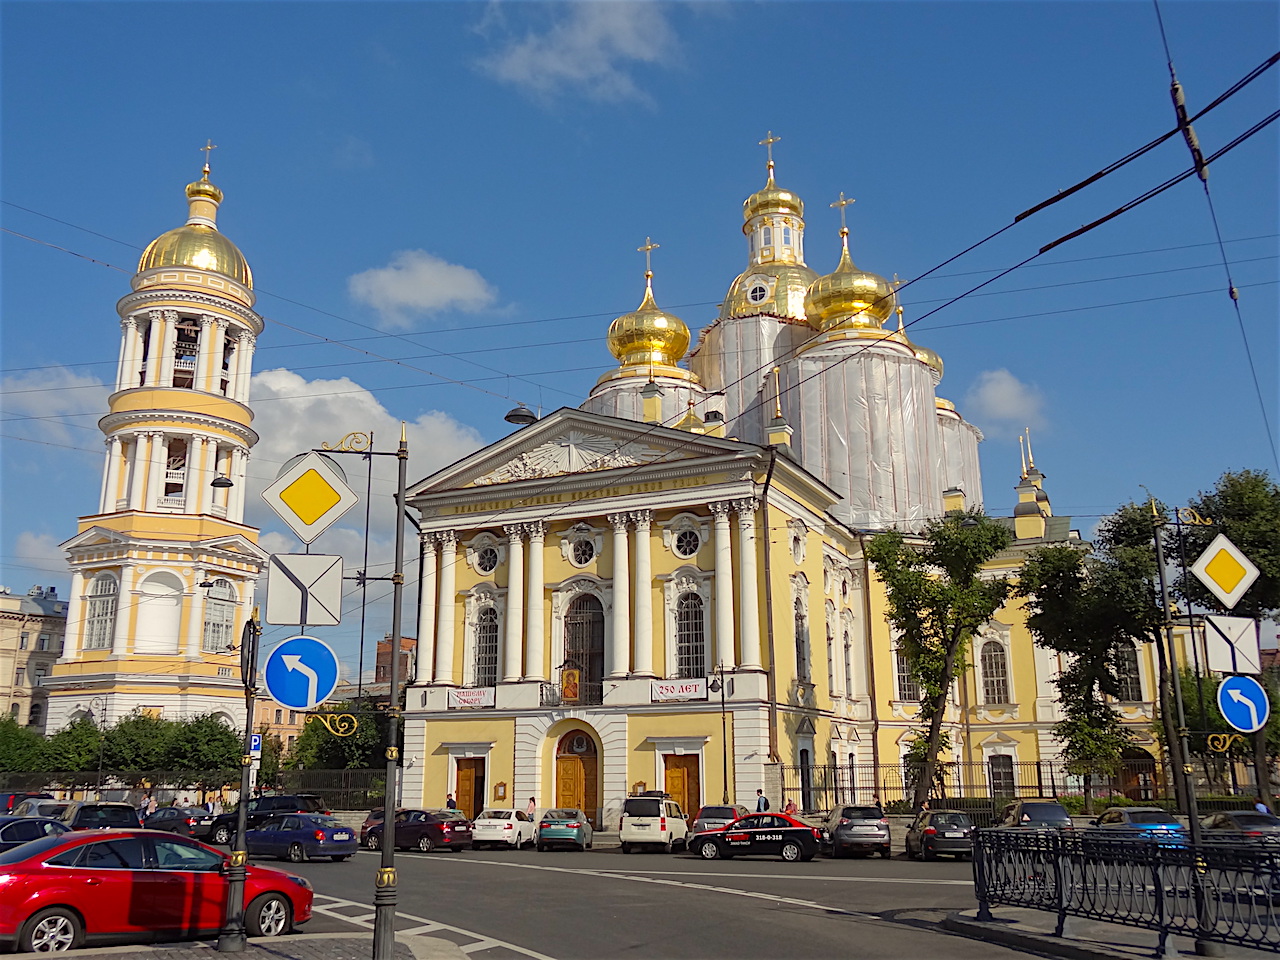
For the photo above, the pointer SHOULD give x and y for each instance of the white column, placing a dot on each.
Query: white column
(238, 388)
(195, 617)
(427, 611)
(618, 655)
(138, 469)
(511, 647)
(447, 611)
(166, 348)
(131, 355)
(155, 338)
(122, 359)
(71, 641)
(749, 591)
(111, 487)
(204, 351)
(533, 645)
(643, 594)
(156, 458)
(191, 484)
(238, 474)
(124, 612)
(204, 475)
(723, 586)
(106, 477)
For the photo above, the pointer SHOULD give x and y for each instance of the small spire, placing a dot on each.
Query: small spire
(777, 393)
(647, 250)
(209, 145)
(896, 284)
(768, 143)
(1031, 460)
(1022, 451)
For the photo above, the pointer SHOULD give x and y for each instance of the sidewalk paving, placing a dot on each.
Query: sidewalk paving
(1082, 939)
(301, 946)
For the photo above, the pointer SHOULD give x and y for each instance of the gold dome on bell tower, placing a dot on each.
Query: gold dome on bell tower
(648, 335)
(848, 297)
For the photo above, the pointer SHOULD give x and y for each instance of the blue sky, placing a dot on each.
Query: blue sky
(442, 202)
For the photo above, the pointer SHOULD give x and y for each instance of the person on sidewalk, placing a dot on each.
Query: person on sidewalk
(449, 802)
(789, 807)
(1260, 805)
(762, 802)
(532, 808)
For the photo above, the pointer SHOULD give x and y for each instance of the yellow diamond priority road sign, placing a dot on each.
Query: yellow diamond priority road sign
(1225, 571)
(310, 494)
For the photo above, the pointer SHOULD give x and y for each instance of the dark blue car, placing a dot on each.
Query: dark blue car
(301, 836)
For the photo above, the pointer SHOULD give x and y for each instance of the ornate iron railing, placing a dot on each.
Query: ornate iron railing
(1226, 892)
(588, 694)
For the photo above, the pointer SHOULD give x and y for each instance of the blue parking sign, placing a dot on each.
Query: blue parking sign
(255, 744)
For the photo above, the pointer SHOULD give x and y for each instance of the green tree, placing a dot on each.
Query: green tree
(20, 747)
(75, 749)
(139, 744)
(1244, 506)
(205, 747)
(937, 597)
(318, 749)
(1070, 611)
(273, 756)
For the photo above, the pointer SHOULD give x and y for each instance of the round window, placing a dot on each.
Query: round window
(758, 293)
(584, 552)
(688, 542)
(487, 559)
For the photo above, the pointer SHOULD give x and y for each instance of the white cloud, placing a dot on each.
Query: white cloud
(587, 50)
(37, 402)
(1002, 405)
(40, 553)
(417, 283)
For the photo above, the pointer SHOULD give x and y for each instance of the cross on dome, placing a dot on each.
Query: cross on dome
(768, 143)
(209, 145)
(842, 203)
(647, 250)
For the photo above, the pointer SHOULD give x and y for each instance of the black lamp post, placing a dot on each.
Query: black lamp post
(232, 937)
(717, 686)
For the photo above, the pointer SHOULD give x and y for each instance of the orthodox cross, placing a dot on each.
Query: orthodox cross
(208, 146)
(647, 250)
(842, 203)
(768, 143)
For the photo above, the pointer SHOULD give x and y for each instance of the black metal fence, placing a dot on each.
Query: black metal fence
(339, 789)
(823, 787)
(1217, 891)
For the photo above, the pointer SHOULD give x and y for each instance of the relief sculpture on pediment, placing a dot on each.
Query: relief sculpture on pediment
(575, 452)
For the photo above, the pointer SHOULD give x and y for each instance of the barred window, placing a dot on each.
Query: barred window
(1000, 768)
(100, 617)
(219, 617)
(908, 688)
(691, 641)
(995, 673)
(1130, 680)
(487, 647)
(802, 643)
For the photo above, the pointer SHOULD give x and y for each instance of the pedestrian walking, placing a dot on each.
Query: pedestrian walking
(1260, 806)
(762, 802)
(789, 807)
(449, 802)
(532, 808)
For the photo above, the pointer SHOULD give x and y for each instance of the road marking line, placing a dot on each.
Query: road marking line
(482, 942)
(771, 876)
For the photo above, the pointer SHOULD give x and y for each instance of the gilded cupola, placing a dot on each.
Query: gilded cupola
(648, 335)
(198, 243)
(849, 297)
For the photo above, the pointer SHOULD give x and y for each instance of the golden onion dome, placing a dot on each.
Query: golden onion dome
(772, 199)
(198, 243)
(930, 359)
(849, 296)
(775, 288)
(648, 335)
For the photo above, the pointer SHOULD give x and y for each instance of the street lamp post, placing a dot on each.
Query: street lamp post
(98, 708)
(232, 937)
(717, 685)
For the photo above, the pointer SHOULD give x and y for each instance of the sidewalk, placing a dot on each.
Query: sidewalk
(302, 946)
(1032, 930)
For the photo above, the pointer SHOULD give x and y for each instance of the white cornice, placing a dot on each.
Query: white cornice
(132, 302)
(115, 421)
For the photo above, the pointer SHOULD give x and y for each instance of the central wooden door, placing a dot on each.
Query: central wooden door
(682, 781)
(577, 775)
(470, 796)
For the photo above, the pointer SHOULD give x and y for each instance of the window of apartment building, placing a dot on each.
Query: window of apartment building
(41, 672)
(100, 615)
(20, 677)
(1127, 673)
(43, 642)
(908, 688)
(219, 617)
(486, 672)
(995, 672)
(24, 639)
(293, 717)
(279, 714)
(691, 642)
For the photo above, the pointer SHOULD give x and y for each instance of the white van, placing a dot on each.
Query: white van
(655, 820)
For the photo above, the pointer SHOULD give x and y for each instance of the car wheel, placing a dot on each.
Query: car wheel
(709, 850)
(269, 916)
(836, 853)
(807, 857)
(296, 853)
(886, 853)
(373, 842)
(425, 844)
(50, 931)
(668, 846)
(222, 836)
(339, 857)
(927, 853)
(626, 848)
(588, 844)
(791, 851)
(541, 848)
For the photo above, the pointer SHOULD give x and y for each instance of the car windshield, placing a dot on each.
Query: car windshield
(107, 815)
(309, 803)
(33, 848)
(862, 813)
(1152, 816)
(642, 807)
(497, 814)
(951, 820)
(1255, 820)
(560, 815)
(718, 813)
(1044, 811)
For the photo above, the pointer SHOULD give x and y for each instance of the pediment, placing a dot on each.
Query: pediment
(571, 441)
(94, 537)
(235, 543)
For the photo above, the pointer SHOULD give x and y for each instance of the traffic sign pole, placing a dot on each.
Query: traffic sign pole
(232, 937)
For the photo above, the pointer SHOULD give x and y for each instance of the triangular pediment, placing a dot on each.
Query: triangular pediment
(571, 441)
(95, 537)
(235, 543)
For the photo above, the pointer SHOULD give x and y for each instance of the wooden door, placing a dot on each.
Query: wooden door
(470, 786)
(569, 782)
(682, 782)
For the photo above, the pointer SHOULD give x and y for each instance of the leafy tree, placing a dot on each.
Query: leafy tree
(203, 745)
(20, 747)
(937, 597)
(75, 748)
(318, 749)
(139, 743)
(1246, 507)
(1070, 611)
(272, 757)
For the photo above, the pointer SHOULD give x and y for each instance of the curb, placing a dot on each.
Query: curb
(1002, 932)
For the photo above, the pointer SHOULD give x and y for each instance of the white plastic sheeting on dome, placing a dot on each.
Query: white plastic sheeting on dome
(959, 464)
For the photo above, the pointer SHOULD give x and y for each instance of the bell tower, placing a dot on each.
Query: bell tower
(163, 573)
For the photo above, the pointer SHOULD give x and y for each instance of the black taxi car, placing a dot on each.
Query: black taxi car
(758, 835)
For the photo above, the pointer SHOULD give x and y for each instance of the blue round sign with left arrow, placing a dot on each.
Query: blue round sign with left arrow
(301, 673)
(1244, 704)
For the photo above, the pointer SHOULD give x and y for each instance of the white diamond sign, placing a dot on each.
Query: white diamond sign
(1226, 571)
(310, 494)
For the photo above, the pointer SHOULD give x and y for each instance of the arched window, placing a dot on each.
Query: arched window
(584, 640)
(831, 661)
(995, 673)
(1127, 673)
(802, 643)
(486, 674)
(691, 642)
(848, 665)
(100, 617)
(786, 236)
(908, 689)
(219, 617)
(36, 715)
(767, 238)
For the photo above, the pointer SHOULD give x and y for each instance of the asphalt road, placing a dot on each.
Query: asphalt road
(582, 906)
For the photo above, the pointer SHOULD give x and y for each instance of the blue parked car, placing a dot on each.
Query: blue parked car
(1146, 823)
(563, 827)
(300, 836)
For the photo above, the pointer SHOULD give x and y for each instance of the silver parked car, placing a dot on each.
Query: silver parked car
(1242, 824)
(860, 830)
(715, 816)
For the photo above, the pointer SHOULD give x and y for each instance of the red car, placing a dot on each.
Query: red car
(87, 886)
